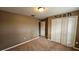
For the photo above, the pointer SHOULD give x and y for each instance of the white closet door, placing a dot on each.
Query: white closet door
(72, 23)
(56, 30)
(43, 28)
(53, 30)
(64, 30)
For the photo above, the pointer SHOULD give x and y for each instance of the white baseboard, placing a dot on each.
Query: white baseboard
(59, 43)
(76, 48)
(19, 44)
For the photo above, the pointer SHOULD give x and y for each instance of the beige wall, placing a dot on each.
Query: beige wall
(14, 27)
(77, 35)
(49, 28)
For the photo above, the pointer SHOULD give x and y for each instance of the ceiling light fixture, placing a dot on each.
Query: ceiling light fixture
(41, 9)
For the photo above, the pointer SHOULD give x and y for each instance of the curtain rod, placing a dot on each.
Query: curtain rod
(63, 15)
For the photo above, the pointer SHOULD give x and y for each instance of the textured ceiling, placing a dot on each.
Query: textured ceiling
(49, 11)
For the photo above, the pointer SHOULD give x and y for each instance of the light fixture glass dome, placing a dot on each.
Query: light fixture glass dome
(41, 9)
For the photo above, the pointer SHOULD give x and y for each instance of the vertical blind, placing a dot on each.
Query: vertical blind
(63, 30)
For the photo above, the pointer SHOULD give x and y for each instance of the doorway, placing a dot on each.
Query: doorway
(43, 28)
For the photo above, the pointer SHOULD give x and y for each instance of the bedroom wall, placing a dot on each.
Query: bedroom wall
(15, 28)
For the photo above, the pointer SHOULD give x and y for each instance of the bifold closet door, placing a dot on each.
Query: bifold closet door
(56, 30)
(43, 28)
(71, 35)
(63, 30)
(68, 31)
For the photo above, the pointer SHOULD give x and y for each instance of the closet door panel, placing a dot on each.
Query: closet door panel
(53, 30)
(64, 30)
(58, 29)
(72, 23)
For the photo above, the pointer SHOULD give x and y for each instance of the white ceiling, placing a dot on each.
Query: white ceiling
(49, 11)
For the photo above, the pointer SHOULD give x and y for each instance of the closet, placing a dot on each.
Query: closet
(63, 30)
